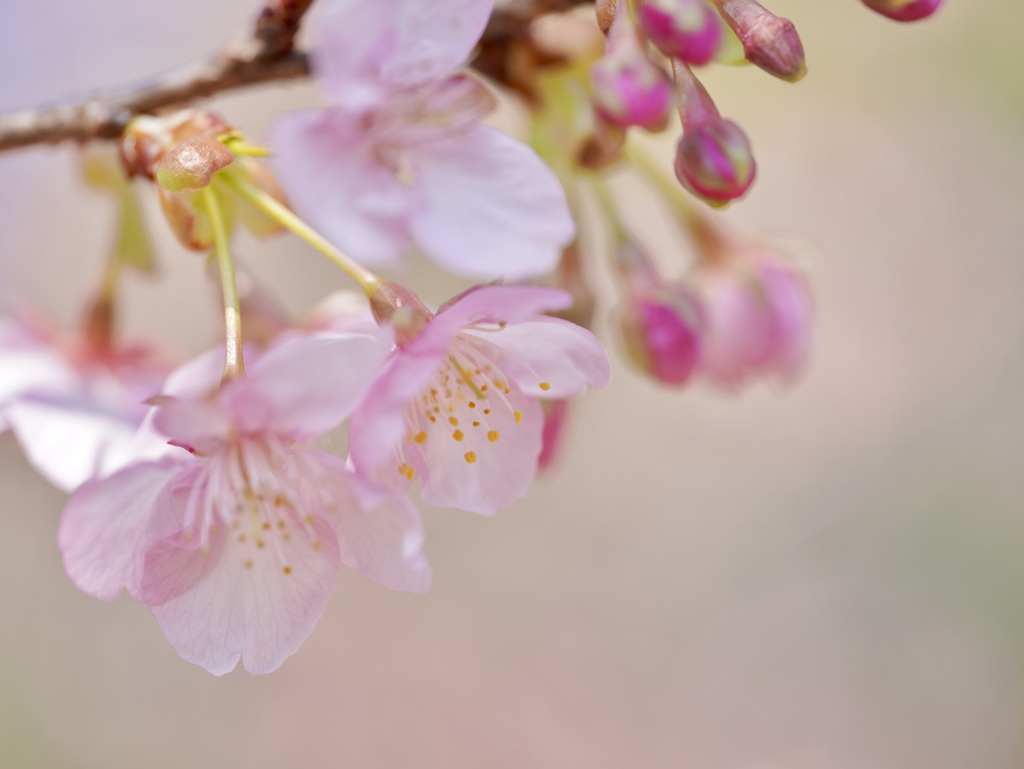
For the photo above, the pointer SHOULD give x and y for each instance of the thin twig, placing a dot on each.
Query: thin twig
(267, 56)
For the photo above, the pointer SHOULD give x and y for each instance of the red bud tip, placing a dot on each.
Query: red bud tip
(904, 10)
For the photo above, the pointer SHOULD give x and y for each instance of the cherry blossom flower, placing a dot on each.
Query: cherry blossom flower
(458, 404)
(400, 156)
(73, 404)
(235, 539)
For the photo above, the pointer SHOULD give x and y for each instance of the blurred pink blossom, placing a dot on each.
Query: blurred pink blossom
(400, 157)
(757, 315)
(74, 405)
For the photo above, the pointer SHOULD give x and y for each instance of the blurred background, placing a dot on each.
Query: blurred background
(824, 575)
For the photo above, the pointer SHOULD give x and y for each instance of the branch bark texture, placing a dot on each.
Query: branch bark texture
(268, 55)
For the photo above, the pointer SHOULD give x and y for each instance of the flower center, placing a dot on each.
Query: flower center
(468, 405)
(249, 495)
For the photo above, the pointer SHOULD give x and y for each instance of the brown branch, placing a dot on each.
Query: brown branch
(266, 57)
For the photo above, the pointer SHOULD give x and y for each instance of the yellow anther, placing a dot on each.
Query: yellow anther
(518, 415)
(248, 563)
(545, 385)
(472, 405)
(487, 411)
(421, 437)
(457, 435)
(287, 569)
(470, 457)
(476, 424)
(493, 435)
(453, 421)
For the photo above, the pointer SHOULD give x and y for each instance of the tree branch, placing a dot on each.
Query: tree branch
(267, 56)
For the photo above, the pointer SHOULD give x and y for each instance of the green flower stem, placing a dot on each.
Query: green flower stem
(707, 237)
(234, 365)
(284, 216)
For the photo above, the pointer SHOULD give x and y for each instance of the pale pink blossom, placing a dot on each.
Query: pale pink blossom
(757, 316)
(400, 157)
(74, 405)
(458, 406)
(235, 539)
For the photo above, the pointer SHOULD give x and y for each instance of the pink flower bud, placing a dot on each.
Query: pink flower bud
(757, 313)
(660, 330)
(769, 41)
(688, 30)
(904, 10)
(628, 88)
(714, 161)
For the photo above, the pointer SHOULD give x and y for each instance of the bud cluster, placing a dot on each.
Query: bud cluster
(646, 72)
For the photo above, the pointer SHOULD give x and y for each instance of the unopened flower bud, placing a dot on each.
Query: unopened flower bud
(713, 157)
(148, 139)
(192, 164)
(904, 10)
(769, 41)
(660, 331)
(688, 30)
(757, 314)
(628, 88)
(715, 162)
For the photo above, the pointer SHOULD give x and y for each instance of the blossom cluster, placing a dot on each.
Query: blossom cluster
(203, 488)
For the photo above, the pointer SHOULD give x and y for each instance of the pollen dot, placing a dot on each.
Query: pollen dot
(260, 543)
(287, 569)
(458, 435)
(266, 526)
(470, 457)
(317, 545)
(421, 437)
(545, 385)
(487, 411)
(248, 563)
(493, 435)
(472, 405)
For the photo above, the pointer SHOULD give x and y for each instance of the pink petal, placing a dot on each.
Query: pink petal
(490, 206)
(306, 385)
(549, 357)
(377, 426)
(102, 532)
(336, 182)
(235, 601)
(496, 304)
(434, 38)
(379, 532)
(492, 465)
(353, 38)
(70, 439)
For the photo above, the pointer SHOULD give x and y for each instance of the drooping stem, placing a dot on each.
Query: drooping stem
(708, 238)
(283, 215)
(234, 365)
